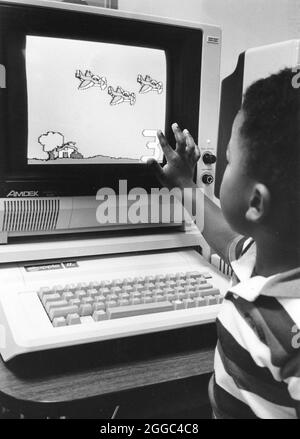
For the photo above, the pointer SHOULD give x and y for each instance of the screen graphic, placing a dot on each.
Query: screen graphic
(93, 103)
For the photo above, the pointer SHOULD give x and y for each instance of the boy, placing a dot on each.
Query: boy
(257, 360)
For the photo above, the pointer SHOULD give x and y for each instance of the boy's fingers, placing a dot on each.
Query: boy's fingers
(167, 149)
(191, 148)
(156, 168)
(180, 138)
(197, 152)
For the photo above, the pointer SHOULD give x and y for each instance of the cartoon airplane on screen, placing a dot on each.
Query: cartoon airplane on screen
(88, 80)
(148, 84)
(119, 96)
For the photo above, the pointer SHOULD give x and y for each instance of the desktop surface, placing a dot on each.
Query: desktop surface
(151, 376)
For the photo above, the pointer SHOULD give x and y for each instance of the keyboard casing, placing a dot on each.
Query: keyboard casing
(25, 326)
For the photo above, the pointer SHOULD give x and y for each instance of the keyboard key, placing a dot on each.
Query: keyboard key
(87, 300)
(59, 321)
(117, 282)
(212, 300)
(136, 295)
(86, 309)
(73, 319)
(136, 310)
(171, 283)
(93, 292)
(71, 287)
(127, 289)
(95, 285)
(148, 299)
(99, 316)
(150, 286)
(44, 290)
(47, 298)
(189, 303)
(63, 311)
(210, 292)
(57, 304)
(67, 295)
(170, 276)
(200, 301)
(138, 287)
(58, 288)
(135, 301)
(178, 304)
(170, 297)
(116, 290)
(104, 291)
(80, 293)
(111, 304)
(75, 302)
(128, 281)
(82, 286)
(98, 306)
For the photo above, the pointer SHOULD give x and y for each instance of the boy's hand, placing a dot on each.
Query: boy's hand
(181, 162)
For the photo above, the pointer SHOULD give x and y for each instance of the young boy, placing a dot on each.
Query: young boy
(257, 360)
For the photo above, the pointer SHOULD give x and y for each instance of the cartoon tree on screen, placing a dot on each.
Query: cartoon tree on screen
(51, 142)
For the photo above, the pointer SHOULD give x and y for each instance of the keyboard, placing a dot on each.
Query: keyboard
(64, 303)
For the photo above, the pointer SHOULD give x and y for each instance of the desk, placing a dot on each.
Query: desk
(162, 375)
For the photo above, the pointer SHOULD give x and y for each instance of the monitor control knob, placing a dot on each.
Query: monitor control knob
(207, 179)
(209, 158)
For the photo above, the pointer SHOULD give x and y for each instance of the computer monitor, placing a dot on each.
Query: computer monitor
(253, 64)
(86, 90)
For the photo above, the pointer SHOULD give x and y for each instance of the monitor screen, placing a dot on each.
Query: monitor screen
(78, 93)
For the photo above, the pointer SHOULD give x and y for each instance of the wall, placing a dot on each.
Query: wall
(245, 23)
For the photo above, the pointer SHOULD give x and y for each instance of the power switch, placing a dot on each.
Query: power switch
(209, 159)
(207, 179)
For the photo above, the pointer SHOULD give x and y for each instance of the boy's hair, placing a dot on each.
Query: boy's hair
(271, 130)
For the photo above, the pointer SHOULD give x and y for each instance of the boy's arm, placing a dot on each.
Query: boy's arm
(179, 172)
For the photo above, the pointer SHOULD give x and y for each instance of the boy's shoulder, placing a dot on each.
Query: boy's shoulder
(283, 285)
(250, 286)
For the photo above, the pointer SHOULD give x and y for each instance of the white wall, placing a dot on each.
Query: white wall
(245, 23)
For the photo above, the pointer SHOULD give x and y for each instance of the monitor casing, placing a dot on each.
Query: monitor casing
(40, 200)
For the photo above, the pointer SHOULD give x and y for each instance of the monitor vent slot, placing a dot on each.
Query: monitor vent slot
(30, 215)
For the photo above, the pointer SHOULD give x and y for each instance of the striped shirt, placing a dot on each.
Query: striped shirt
(257, 359)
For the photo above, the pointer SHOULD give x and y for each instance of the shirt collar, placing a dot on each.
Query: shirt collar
(283, 285)
(244, 266)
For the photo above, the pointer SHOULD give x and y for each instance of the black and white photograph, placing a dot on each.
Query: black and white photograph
(149, 213)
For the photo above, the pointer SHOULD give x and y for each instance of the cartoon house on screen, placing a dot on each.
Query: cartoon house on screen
(54, 146)
(67, 150)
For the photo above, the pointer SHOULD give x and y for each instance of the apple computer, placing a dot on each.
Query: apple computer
(86, 91)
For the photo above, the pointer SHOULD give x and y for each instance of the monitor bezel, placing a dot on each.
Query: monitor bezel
(183, 48)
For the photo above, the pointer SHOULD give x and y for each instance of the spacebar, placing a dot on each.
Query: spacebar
(137, 310)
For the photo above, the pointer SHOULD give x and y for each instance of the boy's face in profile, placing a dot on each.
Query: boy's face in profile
(236, 185)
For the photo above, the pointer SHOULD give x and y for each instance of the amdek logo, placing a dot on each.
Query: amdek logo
(23, 194)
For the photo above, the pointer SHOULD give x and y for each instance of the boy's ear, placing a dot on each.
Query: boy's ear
(259, 203)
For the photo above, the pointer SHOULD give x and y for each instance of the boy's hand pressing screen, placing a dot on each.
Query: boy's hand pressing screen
(181, 162)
